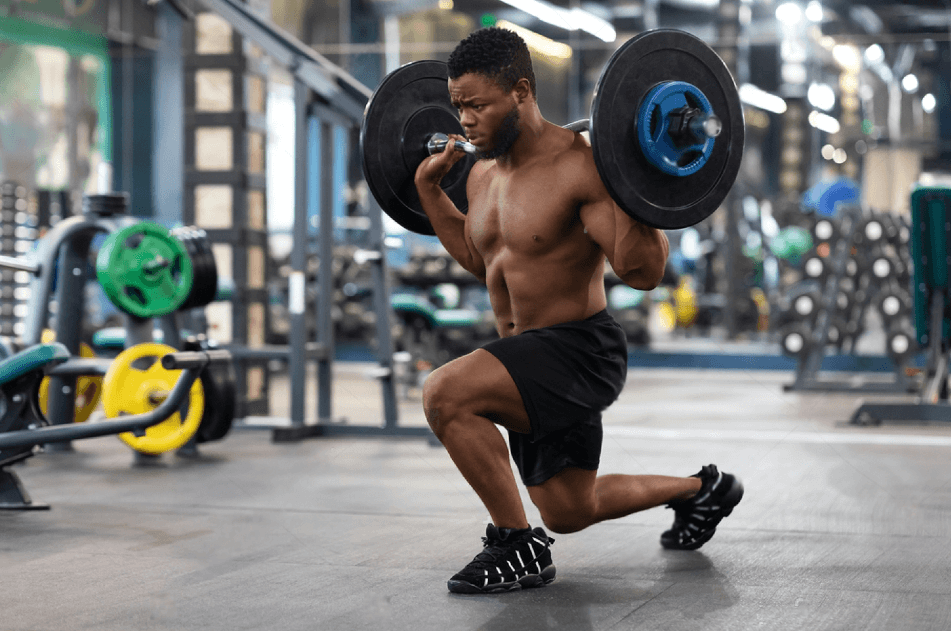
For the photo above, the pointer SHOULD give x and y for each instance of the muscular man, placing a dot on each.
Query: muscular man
(539, 227)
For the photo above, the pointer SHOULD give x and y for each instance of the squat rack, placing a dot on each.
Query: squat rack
(325, 96)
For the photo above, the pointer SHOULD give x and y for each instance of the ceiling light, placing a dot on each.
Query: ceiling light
(824, 122)
(847, 56)
(538, 42)
(821, 95)
(590, 23)
(751, 95)
(929, 103)
(571, 20)
(909, 83)
(814, 11)
(874, 54)
(789, 13)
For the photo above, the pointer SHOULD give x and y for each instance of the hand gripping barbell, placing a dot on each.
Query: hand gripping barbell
(666, 130)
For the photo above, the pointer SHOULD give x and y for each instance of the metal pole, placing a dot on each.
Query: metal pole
(297, 282)
(73, 107)
(325, 275)
(381, 304)
(576, 74)
(727, 30)
(70, 301)
(343, 29)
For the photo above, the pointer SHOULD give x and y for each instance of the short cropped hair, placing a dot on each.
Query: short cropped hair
(496, 53)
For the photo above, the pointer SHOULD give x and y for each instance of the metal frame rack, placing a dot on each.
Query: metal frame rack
(325, 97)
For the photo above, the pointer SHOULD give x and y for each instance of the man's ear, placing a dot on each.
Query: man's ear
(522, 90)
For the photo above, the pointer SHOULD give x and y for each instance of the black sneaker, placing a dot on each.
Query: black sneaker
(510, 559)
(697, 518)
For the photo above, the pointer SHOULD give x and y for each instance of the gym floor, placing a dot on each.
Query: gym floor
(841, 527)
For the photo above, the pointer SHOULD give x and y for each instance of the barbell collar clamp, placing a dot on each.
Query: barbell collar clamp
(437, 142)
(689, 126)
(704, 127)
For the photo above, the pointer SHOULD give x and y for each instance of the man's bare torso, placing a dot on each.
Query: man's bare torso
(541, 268)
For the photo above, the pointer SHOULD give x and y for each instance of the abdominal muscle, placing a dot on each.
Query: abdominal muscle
(531, 293)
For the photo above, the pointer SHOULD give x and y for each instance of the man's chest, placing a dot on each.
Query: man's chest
(519, 214)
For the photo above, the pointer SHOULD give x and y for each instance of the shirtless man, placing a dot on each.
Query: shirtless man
(539, 226)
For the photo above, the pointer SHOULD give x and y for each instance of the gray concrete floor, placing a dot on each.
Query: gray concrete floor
(841, 527)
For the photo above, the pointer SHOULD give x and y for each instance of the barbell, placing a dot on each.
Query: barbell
(136, 383)
(666, 129)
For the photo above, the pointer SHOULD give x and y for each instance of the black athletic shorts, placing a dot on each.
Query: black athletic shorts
(567, 375)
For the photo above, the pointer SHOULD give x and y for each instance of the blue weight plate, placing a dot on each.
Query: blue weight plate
(672, 155)
(645, 192)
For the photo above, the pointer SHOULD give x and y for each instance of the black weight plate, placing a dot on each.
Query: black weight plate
(410, 104)
(208, 286)
(643, 191)
(218, 381)
(205, 271)
(220, 401)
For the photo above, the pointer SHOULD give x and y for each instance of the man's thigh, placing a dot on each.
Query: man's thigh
(480, 383)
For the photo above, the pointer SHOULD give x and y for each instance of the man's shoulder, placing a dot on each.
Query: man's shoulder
(574, 156)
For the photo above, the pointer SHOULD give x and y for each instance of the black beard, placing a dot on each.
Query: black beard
(504, 138)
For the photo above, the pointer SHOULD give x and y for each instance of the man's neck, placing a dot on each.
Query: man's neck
(527, 146)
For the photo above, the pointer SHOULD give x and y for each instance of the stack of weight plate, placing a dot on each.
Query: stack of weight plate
(205, 271)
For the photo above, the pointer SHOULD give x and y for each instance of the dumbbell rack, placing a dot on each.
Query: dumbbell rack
(17, 232)
(809, 363)
(931, 249)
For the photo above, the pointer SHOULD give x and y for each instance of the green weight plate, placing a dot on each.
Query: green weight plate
(144, 270)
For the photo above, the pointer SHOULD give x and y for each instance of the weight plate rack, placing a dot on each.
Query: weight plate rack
(17, 233)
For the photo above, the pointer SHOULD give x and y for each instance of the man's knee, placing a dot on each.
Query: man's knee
(440, 399)
(566, 518)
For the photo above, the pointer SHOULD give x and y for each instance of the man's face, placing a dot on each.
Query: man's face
(488, 114)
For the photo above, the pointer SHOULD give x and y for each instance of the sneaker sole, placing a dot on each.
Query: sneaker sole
(730, 500)
(526, 582)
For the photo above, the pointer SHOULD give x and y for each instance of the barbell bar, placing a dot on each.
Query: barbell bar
(437, 142)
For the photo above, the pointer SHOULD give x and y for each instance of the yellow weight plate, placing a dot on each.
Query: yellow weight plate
(685, 303)
(136, 383)
(667, 316)
(88, 388)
